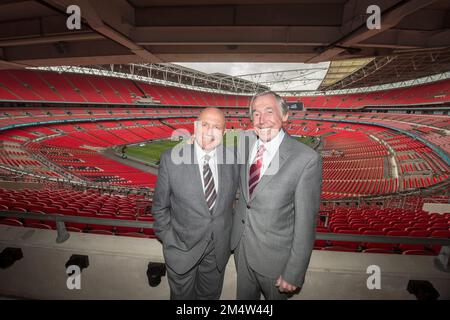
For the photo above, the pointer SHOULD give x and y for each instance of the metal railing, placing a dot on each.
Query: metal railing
(62, 234)
(442, 262)
(147, 225)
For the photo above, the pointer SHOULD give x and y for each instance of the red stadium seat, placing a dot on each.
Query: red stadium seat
(104, 232)
(376, 245)
(341, 249)
(133, 234)
(346, 244)
(40, 226)
(415, 233)
(11, 222)
(27, 221)
(122, 229)
(418, 252)
(378, 250)
(445, 234)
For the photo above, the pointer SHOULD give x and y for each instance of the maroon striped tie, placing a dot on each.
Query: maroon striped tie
(208, 180)
(255, 170)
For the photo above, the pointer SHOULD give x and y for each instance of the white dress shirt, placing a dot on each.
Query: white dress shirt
(271, 149)
(200, 153)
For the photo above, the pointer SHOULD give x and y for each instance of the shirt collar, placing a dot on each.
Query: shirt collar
(201, 153)
(272, 145)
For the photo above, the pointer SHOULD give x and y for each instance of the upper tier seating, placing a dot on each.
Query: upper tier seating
(431, 93)
(32, 85)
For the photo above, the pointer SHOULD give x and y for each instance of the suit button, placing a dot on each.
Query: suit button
(243, 221)
(248, 206)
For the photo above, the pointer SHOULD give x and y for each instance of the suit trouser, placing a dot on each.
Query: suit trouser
(202, 282)
(251, 284)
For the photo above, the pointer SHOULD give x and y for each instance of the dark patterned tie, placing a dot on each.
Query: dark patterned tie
(255, 170)
(208, 180)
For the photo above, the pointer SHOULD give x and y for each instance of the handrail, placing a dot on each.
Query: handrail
(79, 219)
(441, 262)
(93, 119)
(146, 224)
(382, 239)
(60, 220)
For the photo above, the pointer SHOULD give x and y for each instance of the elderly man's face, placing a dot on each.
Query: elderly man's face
(267, 117)
(209, 129)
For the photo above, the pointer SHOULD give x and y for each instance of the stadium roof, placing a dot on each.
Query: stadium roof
(273, 76)
(341, 69)
(276, 77)
(300, 81)
(394, 68)
(35, 33)
(148, 36)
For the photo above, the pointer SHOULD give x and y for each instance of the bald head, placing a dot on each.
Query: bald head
(210, 128)
(212, 113)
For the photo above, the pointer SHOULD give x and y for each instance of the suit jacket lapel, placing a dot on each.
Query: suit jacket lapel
(277, 162)
(222, 183)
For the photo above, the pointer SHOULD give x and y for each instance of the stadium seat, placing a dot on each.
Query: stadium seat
(378, 250)
(341, 249)
(415, 233)
(99, 231)
(11, 222)
(418, 252)
(133, 234)
(40, 226)
(444, 234)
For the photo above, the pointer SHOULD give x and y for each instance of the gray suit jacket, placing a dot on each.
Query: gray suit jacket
(277, 224)
(182, 219)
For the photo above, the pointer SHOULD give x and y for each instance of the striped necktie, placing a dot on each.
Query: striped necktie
(208, 180)
(255, 170)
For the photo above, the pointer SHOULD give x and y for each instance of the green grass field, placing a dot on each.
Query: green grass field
(306, 140)
(151, 152)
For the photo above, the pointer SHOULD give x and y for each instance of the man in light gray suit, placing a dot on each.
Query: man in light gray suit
(274, 224)
(192, 206)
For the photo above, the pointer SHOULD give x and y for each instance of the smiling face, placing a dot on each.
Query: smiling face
(267, 117)
(209, 128)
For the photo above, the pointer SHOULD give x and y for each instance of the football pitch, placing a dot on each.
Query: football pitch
(151, 152)
(306, 140)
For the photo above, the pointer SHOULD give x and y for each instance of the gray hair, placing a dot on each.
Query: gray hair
(280, 101)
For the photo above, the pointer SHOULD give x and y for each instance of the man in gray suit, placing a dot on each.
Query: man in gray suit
(192, 206)
(274, 224)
